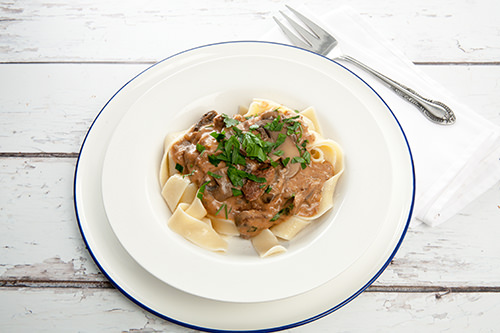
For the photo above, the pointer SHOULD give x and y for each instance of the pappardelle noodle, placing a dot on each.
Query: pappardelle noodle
(263, 174)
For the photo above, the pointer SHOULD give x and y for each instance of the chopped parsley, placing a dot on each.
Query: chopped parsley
(179, 167)
(294, 127)
(252, 229)
(252, 145)
(304, 160)
(214, 159)
(210, 173)
(230, 122)
(285, 210)
(273, 164)
(301, 160)
(236, 176)
(202, 190)
(189, 174)
(255, 147)
(307, 156)
(224, 205)
(230, 152)
(200, 148)
(218, 136)
(276, 125)
(280, 140)
(236, 147)
(220, 208)
(236, 192)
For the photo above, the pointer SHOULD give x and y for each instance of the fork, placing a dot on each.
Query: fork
(318, 40)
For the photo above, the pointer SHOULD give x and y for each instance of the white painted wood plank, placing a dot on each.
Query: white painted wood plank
(53, 107)
(419, 312)
(49, 107)
(475, 86)
(39, 236)
(106, 310)
(92, 30)
(462, 250)
(40, 240)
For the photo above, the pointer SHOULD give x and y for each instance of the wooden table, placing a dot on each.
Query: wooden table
(60, 61)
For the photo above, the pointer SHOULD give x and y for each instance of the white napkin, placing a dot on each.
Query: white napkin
(453, 164)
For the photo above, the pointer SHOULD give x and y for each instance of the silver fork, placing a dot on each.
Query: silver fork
(320, 41)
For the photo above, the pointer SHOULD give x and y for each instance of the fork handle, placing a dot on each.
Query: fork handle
(435, 111)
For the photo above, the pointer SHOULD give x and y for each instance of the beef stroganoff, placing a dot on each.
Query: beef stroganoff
(263, 174)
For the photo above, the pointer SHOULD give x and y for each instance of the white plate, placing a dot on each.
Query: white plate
(366, 124)
(178, 93)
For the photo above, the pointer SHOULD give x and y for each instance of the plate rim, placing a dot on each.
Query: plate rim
(280, 327)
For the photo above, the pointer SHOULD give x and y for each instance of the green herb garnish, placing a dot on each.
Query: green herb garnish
(234, 176)
(210, 173)
(274, 164)
(214, 159)
(301, 160)
(202, 190)
(276, 125)
(230, 122)
(218, 136)
(189, 174)
(236, 192)
(294, 127)
(200, 148)
(252, 229)
(307, 157)
(255, 147)
(237, 176)
(286, 209)
(220, 208)
(179, 167)
(279, 140)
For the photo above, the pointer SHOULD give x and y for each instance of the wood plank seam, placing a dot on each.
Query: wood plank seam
(37, 155)
(443, 290)
(152, 62)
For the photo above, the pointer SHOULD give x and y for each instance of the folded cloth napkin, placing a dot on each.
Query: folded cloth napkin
(453, 164)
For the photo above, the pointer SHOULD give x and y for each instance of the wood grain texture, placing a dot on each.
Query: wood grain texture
(457, 253)
(60, 62)
(39, 238)
(52, 109)
(83, 30)
(105, 310)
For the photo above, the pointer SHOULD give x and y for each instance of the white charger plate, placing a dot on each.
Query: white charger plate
(377, 135)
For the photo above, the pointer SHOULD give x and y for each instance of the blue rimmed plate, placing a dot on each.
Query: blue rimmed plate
(328, 266)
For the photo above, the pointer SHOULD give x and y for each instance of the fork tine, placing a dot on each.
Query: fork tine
(319, 31)
(308, 36)
(291, 36)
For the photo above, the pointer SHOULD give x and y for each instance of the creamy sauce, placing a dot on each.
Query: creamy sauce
(256, 171)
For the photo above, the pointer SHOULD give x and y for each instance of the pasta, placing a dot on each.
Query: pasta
(264, 174)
